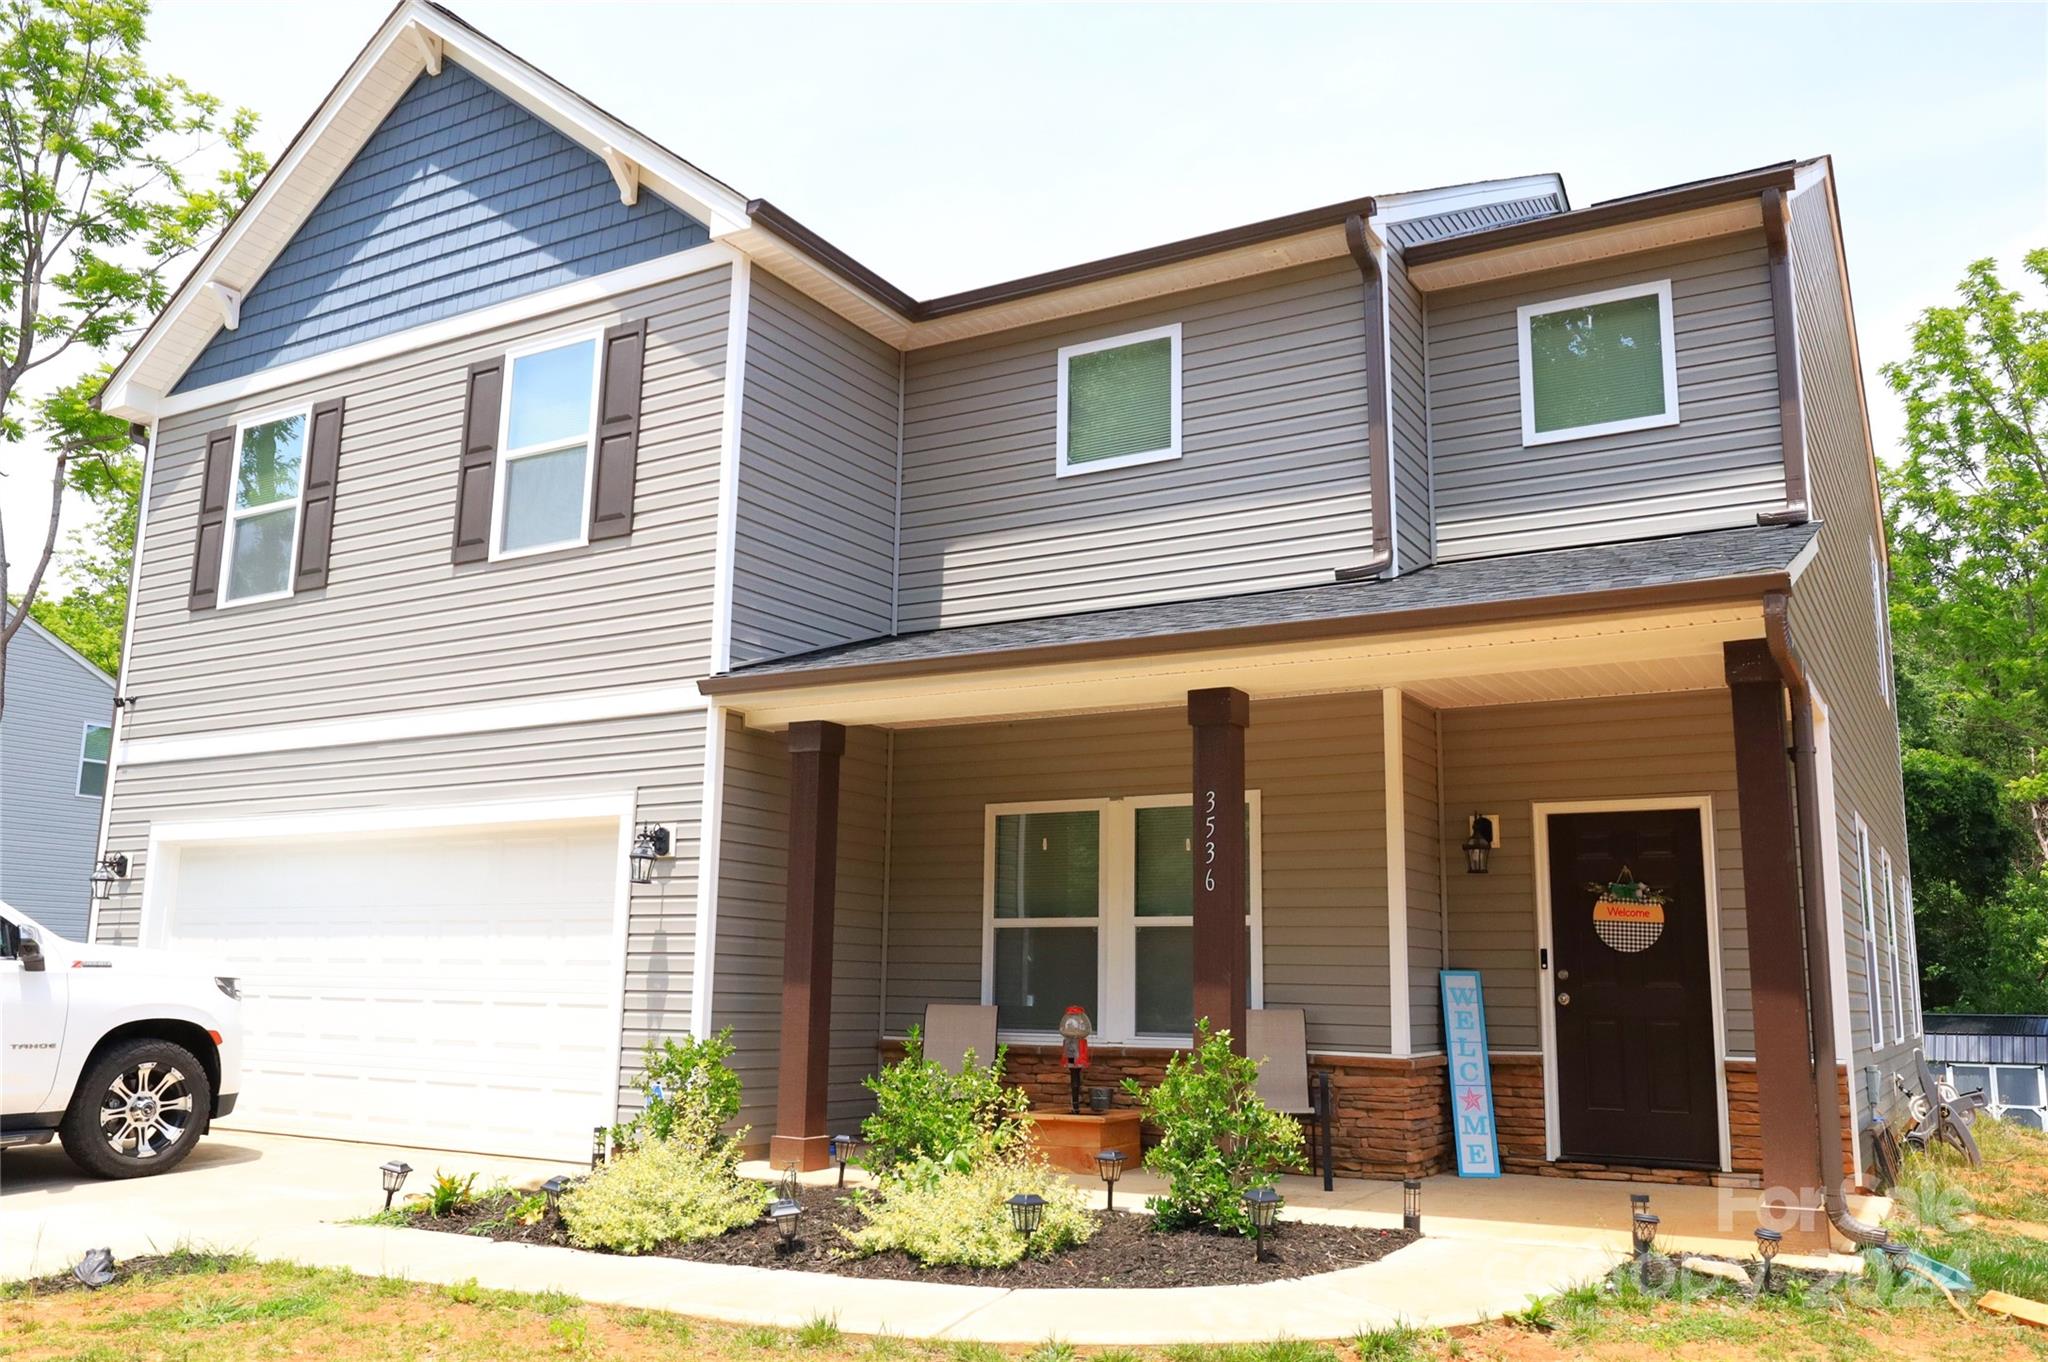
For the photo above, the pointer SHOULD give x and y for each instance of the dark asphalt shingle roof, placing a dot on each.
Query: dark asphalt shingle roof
(1545, 575)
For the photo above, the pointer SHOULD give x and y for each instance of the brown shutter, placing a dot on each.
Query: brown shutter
(213, 519)
(479, 461)
(618, 431)
(323, 458)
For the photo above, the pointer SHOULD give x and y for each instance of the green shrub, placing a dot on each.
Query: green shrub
(1217, 1139)
(688, 1091)
(958, 1214)
(450, 1194)
(663, 1191)
(926, 1114)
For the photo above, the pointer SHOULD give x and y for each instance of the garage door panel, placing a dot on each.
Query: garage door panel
(452, 989)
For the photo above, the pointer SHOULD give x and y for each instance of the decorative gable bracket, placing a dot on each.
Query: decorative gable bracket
(429, 45)
(230, 300)
(626, 172)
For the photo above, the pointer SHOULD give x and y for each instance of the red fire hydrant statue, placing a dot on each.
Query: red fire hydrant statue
(1075, 1028)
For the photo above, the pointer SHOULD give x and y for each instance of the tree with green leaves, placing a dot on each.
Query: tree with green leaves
(101, 206)
(1968, 520)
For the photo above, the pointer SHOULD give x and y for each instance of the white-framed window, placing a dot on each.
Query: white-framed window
(546, 434)
(1090, 902)
(265, 507)
(1119, 401)
(1891, 924)
(1598, 363)
(1913, 957)
(1881, 624)
(1871, 978)
(95, 750)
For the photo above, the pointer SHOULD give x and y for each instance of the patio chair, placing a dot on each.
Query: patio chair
(1278, 1038)
(952, 1029)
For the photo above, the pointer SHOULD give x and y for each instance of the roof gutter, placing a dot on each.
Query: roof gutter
(1813, 897)
(1380, 463)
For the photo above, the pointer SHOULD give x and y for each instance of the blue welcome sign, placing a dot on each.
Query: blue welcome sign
(1472, 1124)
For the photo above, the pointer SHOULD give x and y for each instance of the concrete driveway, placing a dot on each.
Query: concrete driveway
(236, 1187)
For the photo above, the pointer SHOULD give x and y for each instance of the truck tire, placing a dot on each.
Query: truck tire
(138, 1110)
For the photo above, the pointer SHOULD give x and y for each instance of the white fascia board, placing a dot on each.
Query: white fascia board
(445, 721)
(149, 407)
(720, 208)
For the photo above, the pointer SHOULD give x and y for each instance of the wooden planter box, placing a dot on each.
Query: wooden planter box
(1071, 1142)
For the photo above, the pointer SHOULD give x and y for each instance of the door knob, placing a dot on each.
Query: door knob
(1564, 1000)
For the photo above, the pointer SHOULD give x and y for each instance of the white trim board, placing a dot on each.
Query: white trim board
(710, 839)
(587, 707)
(1400, 1039)
(1540, 813)
(1667, 327)
(725, 561)
(1830, 874)
(1062, 467)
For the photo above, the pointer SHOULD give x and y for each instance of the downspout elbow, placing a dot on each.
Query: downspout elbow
(1379, 461)
(1813, 898)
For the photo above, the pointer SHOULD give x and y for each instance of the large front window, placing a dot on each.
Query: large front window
(544, 468)
(263, 510)
(1090, 904)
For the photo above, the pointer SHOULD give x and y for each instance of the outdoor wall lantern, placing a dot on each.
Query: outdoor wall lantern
(1478, 845)
(394, 1175)
(1263, 1205)
(1766, 1249)
(842, 1147)
(1411, 1205)
(552, 1189)
(1026, 1210)
(1109, 1165)
(786, 1214)
(650, 844)
(596, 1147)
(1643, 1228)
(110, 871)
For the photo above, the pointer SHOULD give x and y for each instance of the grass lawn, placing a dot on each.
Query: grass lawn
(1992, 1222)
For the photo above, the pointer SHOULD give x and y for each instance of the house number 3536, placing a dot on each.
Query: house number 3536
(1209, 840)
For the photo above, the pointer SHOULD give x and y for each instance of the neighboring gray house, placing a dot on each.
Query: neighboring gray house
(578, 604)
(55, 738)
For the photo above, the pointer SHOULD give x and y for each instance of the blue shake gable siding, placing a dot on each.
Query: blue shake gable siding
(460, 199)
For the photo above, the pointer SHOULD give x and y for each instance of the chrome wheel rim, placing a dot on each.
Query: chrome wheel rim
(146, 1110)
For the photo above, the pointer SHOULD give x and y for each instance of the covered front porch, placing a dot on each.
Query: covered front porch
(1035, 830)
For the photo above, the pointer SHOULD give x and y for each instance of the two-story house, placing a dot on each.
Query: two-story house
(578, 604)
(55, 739)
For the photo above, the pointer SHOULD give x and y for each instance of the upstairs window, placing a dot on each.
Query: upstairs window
(1598, 364)
(93, 753)
(263, 509)
(544, 469)
(1119, 401)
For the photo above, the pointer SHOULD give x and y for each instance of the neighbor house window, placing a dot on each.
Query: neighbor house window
(1119, 401)
(544, 464)
(263, 509)
(1598, 364)
(94, 751)
(1090, 904)
(1869, 899)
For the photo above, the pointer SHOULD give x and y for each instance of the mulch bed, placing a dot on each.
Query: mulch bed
(1126, 1250)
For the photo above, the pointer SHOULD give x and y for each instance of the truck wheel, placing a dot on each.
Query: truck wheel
(138, 1110)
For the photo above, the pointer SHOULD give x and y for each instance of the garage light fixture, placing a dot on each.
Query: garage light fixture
(650, 843)
(394, 1175)
(110, 871)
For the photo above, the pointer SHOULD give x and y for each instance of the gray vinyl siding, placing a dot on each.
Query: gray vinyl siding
(1422, 812)
(659, 758)
(1408, 418)
(752, 883)
(1718, 467)
(1318, 766)
(1271, 490)
(815, 526)
(459, 199)
(1504, 760)
(398, 627)
(1834, 625)
(48, 831)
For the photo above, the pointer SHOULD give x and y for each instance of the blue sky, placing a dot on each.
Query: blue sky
(953, 146)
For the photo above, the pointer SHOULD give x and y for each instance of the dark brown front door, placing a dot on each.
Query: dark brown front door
(1631, 991)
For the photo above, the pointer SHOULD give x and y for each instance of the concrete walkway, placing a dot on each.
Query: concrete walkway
(278, 1198)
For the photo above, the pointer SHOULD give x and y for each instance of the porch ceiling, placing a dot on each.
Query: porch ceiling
(1567, 656)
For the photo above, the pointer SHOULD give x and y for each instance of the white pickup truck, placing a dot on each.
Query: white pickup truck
(125, 1054)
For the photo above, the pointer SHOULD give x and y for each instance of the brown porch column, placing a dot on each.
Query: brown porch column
(1790, 1127)
(800, 1133)
(1222, 963)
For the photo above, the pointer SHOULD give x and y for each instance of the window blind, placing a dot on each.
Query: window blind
(1120, 401)
(1599, 363)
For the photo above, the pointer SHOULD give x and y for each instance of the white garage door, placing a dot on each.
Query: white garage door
(454, 989)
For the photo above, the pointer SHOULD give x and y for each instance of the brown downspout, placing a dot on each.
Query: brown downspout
(1380, 464)
(1784, 329)
(1813, 896)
